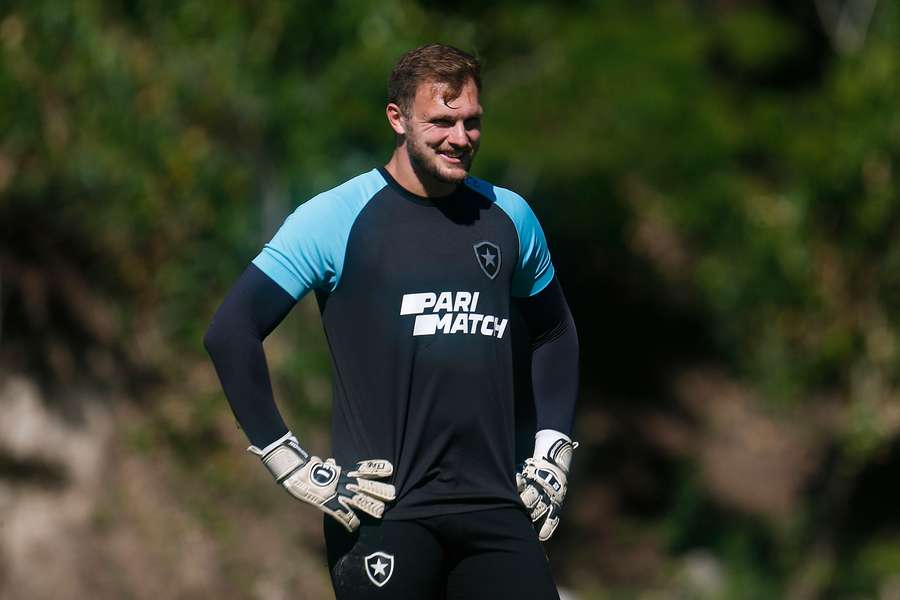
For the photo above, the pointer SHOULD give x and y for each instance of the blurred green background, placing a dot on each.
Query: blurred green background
(719, 185)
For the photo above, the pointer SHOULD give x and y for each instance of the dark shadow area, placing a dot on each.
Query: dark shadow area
(32, 472)
(60, 323)
(801, 66)
(871, 508)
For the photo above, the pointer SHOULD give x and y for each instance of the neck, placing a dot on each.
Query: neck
(412, 179)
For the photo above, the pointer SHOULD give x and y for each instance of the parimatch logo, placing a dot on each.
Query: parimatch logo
(450, 313)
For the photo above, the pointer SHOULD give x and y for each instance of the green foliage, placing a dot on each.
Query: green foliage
(154, 146)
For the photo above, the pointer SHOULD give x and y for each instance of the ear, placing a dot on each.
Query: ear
(396, 119)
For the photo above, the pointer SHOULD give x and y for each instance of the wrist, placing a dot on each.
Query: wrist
(282, 457)
(544, 440)
(555, 446)
(269, 447)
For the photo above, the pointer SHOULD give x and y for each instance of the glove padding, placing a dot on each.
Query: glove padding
(542, 485)
(326, 485)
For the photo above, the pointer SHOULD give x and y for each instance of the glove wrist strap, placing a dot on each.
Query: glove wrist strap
(282, 457)
(266, 449)
(554, 446)
(283, 460)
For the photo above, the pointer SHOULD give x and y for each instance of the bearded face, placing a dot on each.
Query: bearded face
(442, 134)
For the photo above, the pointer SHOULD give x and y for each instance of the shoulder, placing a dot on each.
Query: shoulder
(346, 199)
(308, 249)
(514, 205)
(534, 269)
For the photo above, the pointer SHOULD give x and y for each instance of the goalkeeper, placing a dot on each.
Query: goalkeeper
(416, 267)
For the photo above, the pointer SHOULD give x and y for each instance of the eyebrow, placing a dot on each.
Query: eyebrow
(453, 117)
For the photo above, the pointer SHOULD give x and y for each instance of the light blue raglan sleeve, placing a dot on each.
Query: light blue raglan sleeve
(534, 269)
(307, 251)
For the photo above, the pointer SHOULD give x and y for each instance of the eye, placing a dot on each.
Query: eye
(473, 123)
(442, 122)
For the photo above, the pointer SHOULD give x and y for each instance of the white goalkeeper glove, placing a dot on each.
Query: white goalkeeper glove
(542, 480)
(325, 484)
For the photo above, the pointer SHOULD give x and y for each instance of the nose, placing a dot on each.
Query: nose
(457, 135)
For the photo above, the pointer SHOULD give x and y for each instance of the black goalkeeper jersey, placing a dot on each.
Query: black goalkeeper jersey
(415, 299)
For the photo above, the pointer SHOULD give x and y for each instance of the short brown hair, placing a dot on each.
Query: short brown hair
(432, 63)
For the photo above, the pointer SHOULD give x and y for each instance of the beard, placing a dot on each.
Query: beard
(426, 161)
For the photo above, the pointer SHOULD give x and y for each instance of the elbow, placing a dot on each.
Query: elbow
(226, 335)
(213, 339)
(576, 344)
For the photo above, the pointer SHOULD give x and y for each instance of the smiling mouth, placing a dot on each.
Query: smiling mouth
(453, 157)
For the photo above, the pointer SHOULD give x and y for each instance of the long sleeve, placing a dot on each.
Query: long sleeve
(554, 363)
(253, 307)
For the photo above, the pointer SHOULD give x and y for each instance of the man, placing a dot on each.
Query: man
(415, 267)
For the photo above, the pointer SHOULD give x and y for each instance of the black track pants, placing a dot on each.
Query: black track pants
(486, 554)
